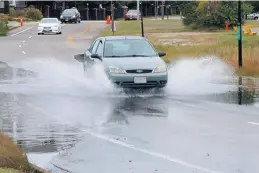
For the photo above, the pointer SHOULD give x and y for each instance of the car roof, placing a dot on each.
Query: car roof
(123, 37)
(49, 18)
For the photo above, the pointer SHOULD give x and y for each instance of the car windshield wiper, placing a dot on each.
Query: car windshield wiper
(114, 56)
(136, 55)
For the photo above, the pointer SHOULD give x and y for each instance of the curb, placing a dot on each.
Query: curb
(14, 27)
(38, 169)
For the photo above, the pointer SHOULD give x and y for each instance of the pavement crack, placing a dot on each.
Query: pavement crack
(61, 168)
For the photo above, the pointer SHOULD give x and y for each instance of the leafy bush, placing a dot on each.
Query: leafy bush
(3, 28)
(19, 19)
(16, 13)
(212, 14)
(33, 14)
(28, 14)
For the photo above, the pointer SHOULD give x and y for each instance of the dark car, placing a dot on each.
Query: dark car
(132, 15)
(70, 15)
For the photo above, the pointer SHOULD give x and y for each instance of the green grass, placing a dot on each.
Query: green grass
(252, 23)
(8, 170)
(221, 44)
(150, 26)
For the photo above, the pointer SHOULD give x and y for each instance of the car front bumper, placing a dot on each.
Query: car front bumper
(63, 20)
(46, 31)
(153, 80)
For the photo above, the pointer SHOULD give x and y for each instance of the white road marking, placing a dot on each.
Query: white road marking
(20, 45)
(130, 146)
(159, 155)
(22, 31)
(23, 41)
(254, 123)
(23, 52)
(30, 37)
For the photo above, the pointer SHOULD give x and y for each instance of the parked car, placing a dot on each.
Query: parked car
(70, 15)
(253, 16)
(132, 15)
(49, 25)
(129, 61)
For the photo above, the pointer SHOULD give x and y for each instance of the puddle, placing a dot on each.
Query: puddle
(50, 123)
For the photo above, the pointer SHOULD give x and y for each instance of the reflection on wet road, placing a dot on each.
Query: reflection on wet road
(164, 132)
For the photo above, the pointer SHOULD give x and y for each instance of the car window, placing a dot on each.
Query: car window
(94, 47)
(128, 48)
(99, 49)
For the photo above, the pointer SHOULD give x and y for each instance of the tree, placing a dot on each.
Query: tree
(212, 14)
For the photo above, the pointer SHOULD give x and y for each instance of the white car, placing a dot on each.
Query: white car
(253, 16)
(49, 26)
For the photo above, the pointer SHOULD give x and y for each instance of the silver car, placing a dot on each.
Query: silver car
(129, 61)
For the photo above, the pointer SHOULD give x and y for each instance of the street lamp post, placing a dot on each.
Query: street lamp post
(240, 63)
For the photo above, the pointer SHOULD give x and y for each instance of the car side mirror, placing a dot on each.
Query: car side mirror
(161, 54)
(96, 56)
(79, 57)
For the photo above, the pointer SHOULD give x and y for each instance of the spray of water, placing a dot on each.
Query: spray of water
(199, 76)
(186, 76)
(58, 77)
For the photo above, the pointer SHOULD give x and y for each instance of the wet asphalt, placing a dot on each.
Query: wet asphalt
(176, 132)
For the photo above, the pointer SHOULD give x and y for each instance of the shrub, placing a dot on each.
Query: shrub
(3, 27)
(16, 13)
(33, 14)
(11, 155)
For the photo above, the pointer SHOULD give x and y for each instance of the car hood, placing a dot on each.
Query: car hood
(134, 62)
(48, 24)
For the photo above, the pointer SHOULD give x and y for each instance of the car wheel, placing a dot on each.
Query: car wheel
(38, 33)
(256, 18)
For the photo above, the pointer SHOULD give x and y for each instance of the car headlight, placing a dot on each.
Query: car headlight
(160, 69)
(116, 70)
(74, 16)
(61, 16)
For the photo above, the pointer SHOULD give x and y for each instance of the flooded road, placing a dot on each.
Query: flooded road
(205, 120)
(164, 132)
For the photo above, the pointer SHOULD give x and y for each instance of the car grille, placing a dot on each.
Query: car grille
(139, 71)
(47, 28)
(130, 84)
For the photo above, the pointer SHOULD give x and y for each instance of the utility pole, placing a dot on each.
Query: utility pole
(155, 8)
(142, 25)
(112, 15)
(138, 7)
(240, 59)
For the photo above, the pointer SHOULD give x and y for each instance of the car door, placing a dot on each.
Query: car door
(88, 60)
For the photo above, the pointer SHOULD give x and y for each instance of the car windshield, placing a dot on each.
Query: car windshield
(49, 21)
(69, 12)
(128, 48)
